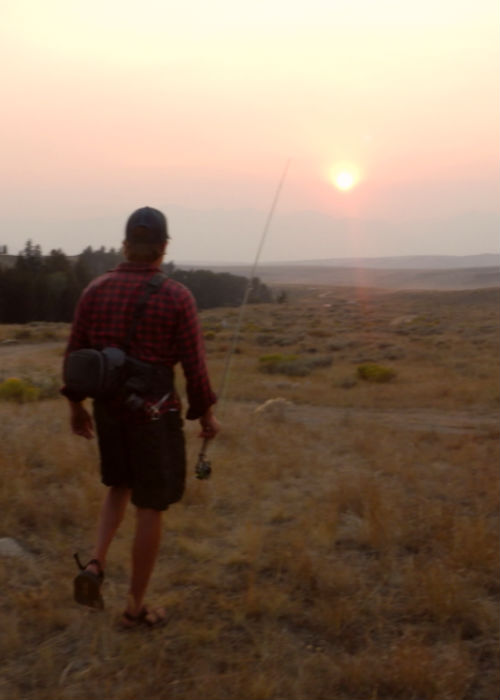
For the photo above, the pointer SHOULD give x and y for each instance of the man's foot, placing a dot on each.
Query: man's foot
(87, 584)
(149, 617)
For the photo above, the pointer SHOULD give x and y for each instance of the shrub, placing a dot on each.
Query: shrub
(280, 340)
(14, 389)
(371, 372)
(291, 365)
(346, 383)
(319, 361)
(251, 327)
(23, 334)
(48, 387)
(319, 333)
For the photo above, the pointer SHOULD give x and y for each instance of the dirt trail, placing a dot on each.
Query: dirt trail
(404, 419)
(14, 350)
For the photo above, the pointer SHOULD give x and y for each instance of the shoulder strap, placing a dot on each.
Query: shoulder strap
(152, 285)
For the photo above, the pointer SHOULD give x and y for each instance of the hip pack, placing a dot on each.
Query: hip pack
(111, 372)
(95, 373)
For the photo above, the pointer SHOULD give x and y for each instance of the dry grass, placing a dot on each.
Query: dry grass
(345, 548)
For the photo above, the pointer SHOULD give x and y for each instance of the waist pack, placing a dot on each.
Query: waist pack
(111, 372)
(95, 373)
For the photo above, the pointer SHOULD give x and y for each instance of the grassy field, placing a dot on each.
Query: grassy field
(345, 548)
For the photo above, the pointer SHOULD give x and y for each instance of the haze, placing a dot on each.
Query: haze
(195, 108)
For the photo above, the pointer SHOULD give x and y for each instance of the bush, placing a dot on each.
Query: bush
(371, 372)
(291, 365)
(48, 387)
(280, 340)
(319, 361)
(14, 389)
(319, 333)
(23, 334)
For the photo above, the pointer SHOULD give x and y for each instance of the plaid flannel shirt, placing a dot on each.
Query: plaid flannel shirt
(168, 331)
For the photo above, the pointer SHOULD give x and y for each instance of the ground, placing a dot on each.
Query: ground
(345, 546)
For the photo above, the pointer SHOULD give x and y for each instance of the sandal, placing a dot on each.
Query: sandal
(149, 617)
(87, 585)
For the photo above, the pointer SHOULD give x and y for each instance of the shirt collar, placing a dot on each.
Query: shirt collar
(137, 267)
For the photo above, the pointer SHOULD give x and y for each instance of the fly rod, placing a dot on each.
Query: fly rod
(203, 468)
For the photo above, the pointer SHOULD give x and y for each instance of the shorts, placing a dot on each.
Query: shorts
(149, 457)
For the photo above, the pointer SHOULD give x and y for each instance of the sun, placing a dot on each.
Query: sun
(344, 180)
(344, 177)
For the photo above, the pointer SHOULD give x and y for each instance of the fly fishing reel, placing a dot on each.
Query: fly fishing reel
(203, 468)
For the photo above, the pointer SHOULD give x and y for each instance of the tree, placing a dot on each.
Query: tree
(259, 292)
(47, 288)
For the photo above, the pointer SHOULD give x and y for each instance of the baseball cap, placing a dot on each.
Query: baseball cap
(147, 225)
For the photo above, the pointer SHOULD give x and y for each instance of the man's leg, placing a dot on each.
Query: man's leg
(158, 464)
(144, 553)
(112, 512)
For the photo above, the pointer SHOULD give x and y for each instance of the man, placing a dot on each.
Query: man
(142, 450)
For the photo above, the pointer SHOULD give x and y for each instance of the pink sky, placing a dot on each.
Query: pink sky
(107, 106)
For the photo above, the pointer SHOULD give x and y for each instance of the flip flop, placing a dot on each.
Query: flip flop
(148, 617)
(87, 585)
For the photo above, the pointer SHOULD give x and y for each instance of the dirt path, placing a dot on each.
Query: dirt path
(13, 351)
(404, 419)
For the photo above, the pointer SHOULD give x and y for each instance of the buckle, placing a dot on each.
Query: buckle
(154, 410)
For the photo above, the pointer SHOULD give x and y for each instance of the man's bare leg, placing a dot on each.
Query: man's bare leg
(144, 553)
(112, 512)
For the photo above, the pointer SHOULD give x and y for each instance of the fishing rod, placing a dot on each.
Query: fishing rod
(203, 467)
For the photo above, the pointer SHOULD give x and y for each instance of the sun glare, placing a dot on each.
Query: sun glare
(344, 177)
(344, 180)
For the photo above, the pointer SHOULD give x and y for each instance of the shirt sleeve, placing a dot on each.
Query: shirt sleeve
(192, 357)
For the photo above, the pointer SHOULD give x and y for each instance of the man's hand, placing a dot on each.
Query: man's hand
(81, 420)
(210, 426)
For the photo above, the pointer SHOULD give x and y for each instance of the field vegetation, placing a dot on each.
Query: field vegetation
(346, 546)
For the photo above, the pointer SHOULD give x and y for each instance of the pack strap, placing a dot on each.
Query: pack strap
(152, 285)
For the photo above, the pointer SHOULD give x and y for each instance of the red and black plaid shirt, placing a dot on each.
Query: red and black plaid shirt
(167, 332)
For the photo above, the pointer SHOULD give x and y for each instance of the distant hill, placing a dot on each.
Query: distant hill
(398, 272)
(407, 262)
(412, 272)
(453, 278)
(396, 262)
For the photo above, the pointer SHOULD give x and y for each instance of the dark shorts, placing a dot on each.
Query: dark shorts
(149, 458)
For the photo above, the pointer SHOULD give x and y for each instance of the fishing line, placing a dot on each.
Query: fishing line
(203, 469)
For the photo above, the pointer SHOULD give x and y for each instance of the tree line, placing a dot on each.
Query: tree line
(47, 287)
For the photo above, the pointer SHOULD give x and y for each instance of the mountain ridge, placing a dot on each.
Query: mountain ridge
(396, 262)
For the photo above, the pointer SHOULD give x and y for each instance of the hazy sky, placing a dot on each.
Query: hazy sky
(195, 107)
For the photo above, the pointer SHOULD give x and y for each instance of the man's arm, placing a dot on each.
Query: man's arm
(191, 352)
(80, 420)
(210, 426)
